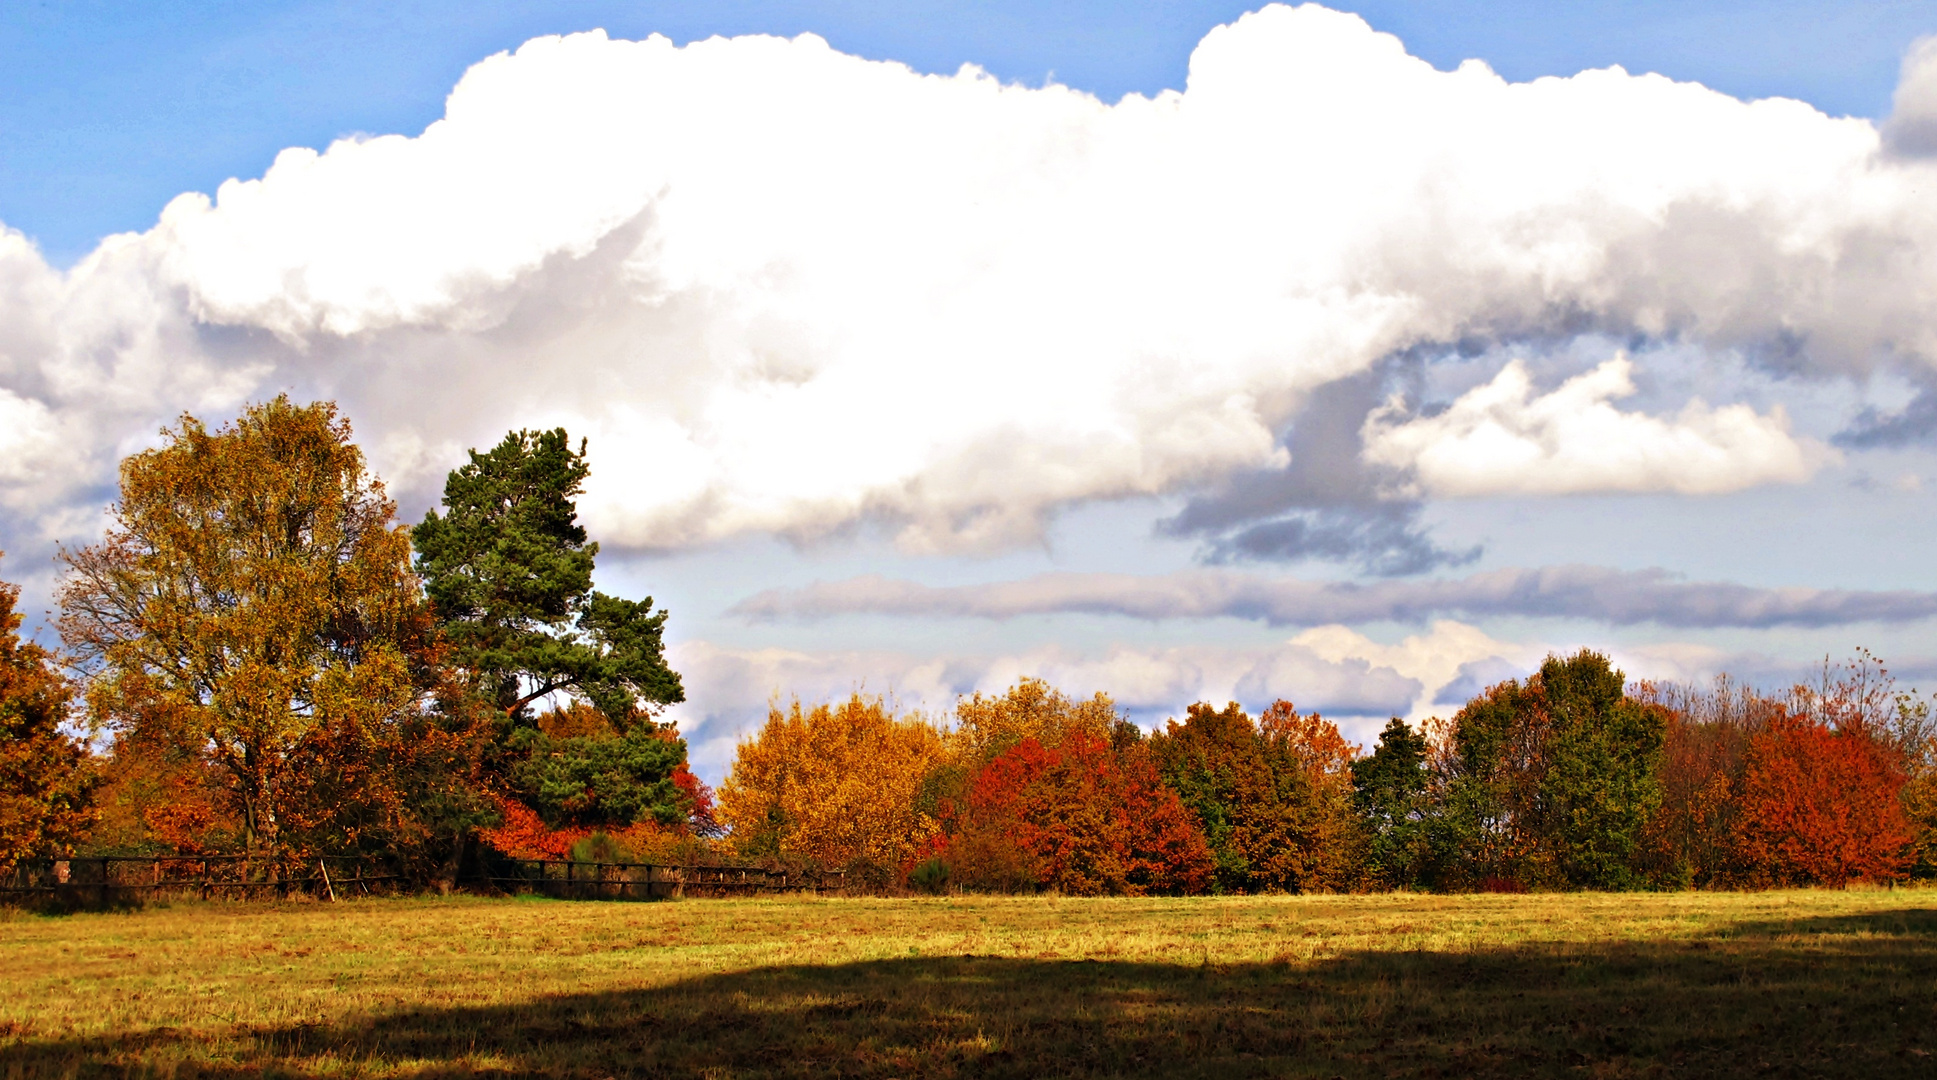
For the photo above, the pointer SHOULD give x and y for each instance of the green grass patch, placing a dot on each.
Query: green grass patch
(1766, 984)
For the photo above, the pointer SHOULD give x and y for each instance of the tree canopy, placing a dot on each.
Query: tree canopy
(509, 568)
(45, 775)
(253, 603)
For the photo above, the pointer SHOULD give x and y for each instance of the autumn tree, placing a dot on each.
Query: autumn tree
(1325, 848)
(835, 785)
(1763, 789)
(1820, 806)
(1551, 782)
(1273, 797)
(1084, 818)
(1861, 694)
(46, 777)
(987, 724)
(1822, 795)
(252, 605)
(1215, 763)
(1690, 840)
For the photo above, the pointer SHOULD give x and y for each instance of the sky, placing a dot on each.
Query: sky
(1178, 351)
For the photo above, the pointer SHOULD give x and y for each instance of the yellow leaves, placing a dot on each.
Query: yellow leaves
(834, 784)
(252, 592)
(1031, 709)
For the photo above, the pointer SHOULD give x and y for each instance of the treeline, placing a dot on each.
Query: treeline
(1568, 780)
(259, 659)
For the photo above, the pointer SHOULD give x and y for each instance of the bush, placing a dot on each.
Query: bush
(931, 877)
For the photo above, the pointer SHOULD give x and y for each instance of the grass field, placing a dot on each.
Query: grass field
(1776, 984)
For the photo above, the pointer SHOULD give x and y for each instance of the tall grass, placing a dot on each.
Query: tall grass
(1781, 983)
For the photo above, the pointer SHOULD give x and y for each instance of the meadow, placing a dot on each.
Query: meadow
(1798, 983)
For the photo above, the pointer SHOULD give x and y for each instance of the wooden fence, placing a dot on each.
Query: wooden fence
(647, 881)
(119, 879)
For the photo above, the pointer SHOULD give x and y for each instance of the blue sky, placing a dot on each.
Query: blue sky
(1336, 377)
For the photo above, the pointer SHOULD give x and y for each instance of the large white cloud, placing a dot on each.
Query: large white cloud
(784, 289)
(1501, 439)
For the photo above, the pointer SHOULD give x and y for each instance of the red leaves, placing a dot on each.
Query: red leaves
(1820, 806)
(700, 798)
(1079, 818)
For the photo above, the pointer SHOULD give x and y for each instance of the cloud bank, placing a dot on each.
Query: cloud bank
(1600, 594)
(787, 290)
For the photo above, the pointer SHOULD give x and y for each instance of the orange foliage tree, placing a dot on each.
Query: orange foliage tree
(1820, 806)
(1083, 817)
(986, 725)
(46, 779)
(1691, 839)
(1823, 784)
(834, 785)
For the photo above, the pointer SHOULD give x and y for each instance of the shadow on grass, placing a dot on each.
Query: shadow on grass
(1845, 996)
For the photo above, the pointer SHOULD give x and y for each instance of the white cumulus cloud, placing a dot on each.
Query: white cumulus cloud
(788, 290)
(1500, 438)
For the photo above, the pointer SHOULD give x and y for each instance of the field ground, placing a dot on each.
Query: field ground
(1762, 984)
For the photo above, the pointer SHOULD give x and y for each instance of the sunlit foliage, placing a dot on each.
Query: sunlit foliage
(1550, 783)
(835, 785)
(46, 779)
(1273, 797)
(252, 604)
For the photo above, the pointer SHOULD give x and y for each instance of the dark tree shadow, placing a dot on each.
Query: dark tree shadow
(1845, 996)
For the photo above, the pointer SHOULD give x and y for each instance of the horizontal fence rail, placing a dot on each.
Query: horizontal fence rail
(648, 881)
(129, 878)
(121, 879)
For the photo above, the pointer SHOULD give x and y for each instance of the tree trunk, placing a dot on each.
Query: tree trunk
(447, 874)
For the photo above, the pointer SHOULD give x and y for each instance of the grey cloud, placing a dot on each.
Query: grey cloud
(1475, 676)
(1911, 130)
(1326, 504)
(1914, 423)
(1351, 687)
(1619, 597)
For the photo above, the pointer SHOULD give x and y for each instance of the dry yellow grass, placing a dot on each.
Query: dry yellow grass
(1781, 983)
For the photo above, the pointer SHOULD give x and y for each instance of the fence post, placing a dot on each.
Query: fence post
(104, 883)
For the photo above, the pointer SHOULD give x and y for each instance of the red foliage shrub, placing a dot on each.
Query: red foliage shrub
(1820, 806)
(1080, 818)
(700, 797)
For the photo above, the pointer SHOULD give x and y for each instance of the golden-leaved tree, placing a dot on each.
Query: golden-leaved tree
(45, 776)
(986, 725)
(835, 785)
(253, 605)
